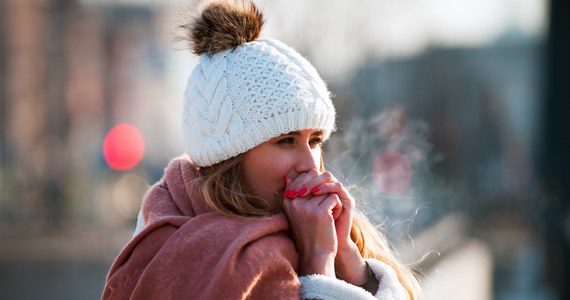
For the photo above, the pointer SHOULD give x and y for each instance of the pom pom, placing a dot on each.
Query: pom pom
(222, 25)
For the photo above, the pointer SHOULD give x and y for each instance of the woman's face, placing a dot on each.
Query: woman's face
(265, 166)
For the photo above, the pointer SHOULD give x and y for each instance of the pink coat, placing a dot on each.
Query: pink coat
(187, 251)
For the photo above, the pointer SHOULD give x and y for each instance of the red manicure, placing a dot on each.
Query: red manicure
(291, 193)
(315, 190)
(302, 191)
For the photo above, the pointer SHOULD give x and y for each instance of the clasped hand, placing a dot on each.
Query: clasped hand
(320, 212)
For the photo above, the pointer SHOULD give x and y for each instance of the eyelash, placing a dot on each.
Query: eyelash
(318, 141)
(290, 140)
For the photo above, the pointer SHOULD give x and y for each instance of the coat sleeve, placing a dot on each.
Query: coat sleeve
(328, 288)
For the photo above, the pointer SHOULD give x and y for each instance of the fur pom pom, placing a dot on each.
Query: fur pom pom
(222, 25)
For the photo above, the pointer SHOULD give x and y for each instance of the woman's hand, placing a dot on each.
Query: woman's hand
(312, 225)
(349, 264)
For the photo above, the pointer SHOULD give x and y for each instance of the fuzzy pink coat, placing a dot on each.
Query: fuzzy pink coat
(187, 251)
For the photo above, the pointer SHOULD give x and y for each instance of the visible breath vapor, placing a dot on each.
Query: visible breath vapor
(386, 161)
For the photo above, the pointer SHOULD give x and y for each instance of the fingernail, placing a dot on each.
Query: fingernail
(315, 190)
(302, 192)
(291, 193)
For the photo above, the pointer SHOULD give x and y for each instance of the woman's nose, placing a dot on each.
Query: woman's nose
(307, 159)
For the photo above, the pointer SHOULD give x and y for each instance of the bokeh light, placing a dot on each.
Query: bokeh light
(123, 147)
(127, 194)
(392, 172)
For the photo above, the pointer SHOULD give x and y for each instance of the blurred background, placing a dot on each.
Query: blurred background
(452, 132)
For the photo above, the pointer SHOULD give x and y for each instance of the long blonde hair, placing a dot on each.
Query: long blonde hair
(223, 190)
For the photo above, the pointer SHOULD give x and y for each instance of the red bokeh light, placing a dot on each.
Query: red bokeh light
(392, 172)
(123, 147)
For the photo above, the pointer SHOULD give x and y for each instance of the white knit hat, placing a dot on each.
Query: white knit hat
(240, 97)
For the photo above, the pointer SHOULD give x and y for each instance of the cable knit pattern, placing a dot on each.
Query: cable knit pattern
(242, 97)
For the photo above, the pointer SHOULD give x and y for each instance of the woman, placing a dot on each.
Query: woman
(250, 211)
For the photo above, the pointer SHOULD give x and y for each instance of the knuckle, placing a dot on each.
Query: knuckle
(328, 175)
(313, 173)
(334, 197)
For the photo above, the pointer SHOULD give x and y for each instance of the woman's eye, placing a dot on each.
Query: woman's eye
(316, 141)
(289, 140)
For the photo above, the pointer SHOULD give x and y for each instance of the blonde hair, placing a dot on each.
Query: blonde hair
(223, 190)
(373, 244)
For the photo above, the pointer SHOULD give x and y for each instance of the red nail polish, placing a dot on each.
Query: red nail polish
(302, 191)
(293, 193)
(315, 190)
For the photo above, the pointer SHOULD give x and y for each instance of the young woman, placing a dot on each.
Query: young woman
(250, 211)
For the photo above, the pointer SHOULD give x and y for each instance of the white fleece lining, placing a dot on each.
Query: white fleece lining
(140, 223)
(328, 288)
(390, 287)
